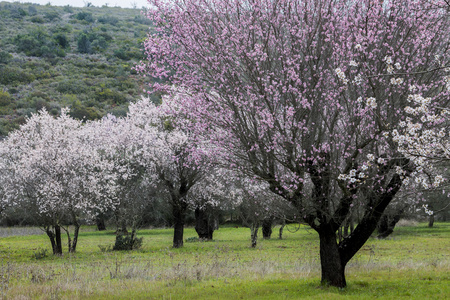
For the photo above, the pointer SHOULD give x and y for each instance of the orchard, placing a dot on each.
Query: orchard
(318, 112)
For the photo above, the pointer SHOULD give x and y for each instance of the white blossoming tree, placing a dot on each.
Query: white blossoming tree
(58, 176)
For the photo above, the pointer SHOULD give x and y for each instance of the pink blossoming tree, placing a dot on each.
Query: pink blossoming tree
(304, 95)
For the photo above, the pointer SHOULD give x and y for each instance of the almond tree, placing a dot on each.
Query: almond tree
(58, 176)
(123, 144)
(175, 160)
(291, 93)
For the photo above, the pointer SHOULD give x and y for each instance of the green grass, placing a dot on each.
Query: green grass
(413, 263)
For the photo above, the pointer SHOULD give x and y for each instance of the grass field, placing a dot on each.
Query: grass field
(413, 263)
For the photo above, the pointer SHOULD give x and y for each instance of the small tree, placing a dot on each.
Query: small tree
(170, 159)
(120, 142)
(58, 176)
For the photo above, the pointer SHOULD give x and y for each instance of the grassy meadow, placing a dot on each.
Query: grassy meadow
(414, 263)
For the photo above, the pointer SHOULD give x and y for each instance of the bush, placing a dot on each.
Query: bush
(13, 76)
(125, 242)
(61, 40)
(5, 57)
(69, 86)
(32, 11)
(84, 16)
(5, 98)
(52, 16)
(37, 19)
(84, 45)
(40, 253)
(109, 20)
(81, 112)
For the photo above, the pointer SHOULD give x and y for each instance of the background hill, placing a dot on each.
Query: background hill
(82, 58)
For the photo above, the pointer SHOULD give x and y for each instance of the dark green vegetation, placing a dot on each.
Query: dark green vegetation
(412, 264)
(81, 58)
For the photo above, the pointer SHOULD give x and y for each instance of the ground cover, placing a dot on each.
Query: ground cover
(413, 263)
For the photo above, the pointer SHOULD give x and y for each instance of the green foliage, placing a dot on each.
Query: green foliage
(5, 57)
(37, 19)
(71, 86)
(10, 76)
(108, 19)
(127, 242)
(37, 42)
(5, 98)
(52, 16)
(40, 253)
(68, 9)
(84, 16)
(84, 44)
(32, 11)
(113, 96)
(99, 83)
(81, 112)
(61, 40)
(193, 239)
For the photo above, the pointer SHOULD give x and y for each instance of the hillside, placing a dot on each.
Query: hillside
(82, 58)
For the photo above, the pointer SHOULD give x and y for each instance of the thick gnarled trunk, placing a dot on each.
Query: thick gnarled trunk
(333, 269)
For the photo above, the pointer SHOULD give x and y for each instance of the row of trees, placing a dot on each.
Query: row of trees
(60, 172)
(314, 98)
(333, 109)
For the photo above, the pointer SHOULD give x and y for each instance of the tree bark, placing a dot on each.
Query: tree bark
(267, 228)
(204, 224)
(254, 233)
(431, 221)
(73, 245)
(333, 269)
(179, 212)
(280, 232)
(100, 221)
(55, 238)
(387, 223)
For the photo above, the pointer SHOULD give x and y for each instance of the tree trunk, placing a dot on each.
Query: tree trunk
(179, 212)
(204, 224)
(333, 270)
(51, 236)
(280, 232)
(267, 228)
(254, 233)
(387, 223)
(73, 245)
(100, 221)
(55, 239)
(431, 221)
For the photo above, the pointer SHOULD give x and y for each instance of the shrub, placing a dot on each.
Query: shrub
(61, 40)
(40, 253)
(81, 112)
(69, 86)
(84, 45)
(52, 16)
(84, 16)
(126, 242)
(5, 57)
(106, 19)
(37, 19)
(13, 76)
(32, 11)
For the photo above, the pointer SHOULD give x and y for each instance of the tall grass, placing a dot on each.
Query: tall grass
(414, 263)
